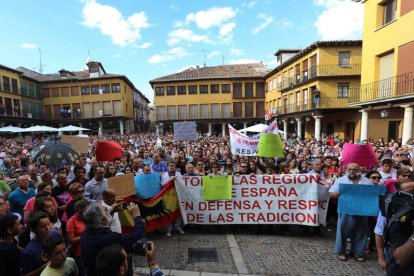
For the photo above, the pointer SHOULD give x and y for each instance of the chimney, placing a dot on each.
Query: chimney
(63, 73)
(95, 69)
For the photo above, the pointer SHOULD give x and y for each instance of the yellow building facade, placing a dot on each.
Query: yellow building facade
(20, 98)
(211, 96)
(309, 92)
(386, 94)
(91, 98)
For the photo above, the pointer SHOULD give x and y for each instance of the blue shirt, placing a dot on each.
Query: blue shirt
(148, 161)
(18, 199)
(162, 167)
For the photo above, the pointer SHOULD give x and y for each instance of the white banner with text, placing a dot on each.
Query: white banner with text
(257, 199)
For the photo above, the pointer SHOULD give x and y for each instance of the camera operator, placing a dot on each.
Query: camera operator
(401, 236)
(113, 260)
(98, 234)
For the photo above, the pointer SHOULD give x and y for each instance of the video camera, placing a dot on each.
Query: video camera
(138, 247)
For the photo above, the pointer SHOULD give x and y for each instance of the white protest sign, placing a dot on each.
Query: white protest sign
(242, 144)
(256, 199)
(184, 131)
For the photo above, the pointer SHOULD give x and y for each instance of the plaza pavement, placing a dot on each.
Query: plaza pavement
(253, 250)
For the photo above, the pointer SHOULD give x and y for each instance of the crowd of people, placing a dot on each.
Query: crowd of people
(55, 222)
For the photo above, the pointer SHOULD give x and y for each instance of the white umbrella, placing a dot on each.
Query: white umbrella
(11, 129)
(40, 129)
(72, 128)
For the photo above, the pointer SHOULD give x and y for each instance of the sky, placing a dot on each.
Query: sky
(147, 39)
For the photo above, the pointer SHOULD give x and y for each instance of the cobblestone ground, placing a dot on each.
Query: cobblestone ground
(265, 250)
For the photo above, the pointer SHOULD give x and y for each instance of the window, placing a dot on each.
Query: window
(260, 109)
(215, 111)
(390, 11)
(214, 88)
(46, 92)
(159, 91)
(117, 108)
(74, 91)
(237, 90)
(182, 112)
(225, 88)
(6, 84)
(248, 107)
(343, 90)
(116, 88)
(344, 59)
(14, 86)
(55, 92)
(160, 111)
(260, 89)
(23, 88)
(204, 111)
(87, 110)
(85, 90)
(181, 90)
(203, 89)
(95, 89)
(170, 90)
(298, 98)
(237, 109)
(193, 111)
(38, 90)
(248, 89)
(192, 89)
(64, 91)
(305, 97)
(105, 88)
(225, 110)
(171, 110)
(32, 90)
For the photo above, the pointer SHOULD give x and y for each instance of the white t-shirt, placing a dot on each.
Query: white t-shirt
(345, 180)
(115, 223)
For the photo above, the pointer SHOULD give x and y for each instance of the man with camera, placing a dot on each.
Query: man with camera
(98, 234)
(399, 232)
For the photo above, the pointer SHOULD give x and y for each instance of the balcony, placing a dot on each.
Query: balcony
(319, 71)
(386, 90)
(325, 103)
(208, 116)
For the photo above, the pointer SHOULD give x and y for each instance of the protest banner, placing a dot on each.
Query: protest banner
(147, 185)
(362, 155)
(123, 185)
(256, 199)
(184, 131)
(217, 187)
(79, 144)
(242, 144)
(359, 200)
(161, 210)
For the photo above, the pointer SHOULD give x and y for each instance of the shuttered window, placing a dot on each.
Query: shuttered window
(171, 112)
(160, 112)
(203, 111)
(117, 108)
(193, 111)
(225, 110)
(215, 110)
(182, 112)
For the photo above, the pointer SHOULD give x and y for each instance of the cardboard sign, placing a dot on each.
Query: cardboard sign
(79, 144)
(256, 199)
(270, 145)
(359, 200)
(362, 155)
(184, 131)
(217, 187)
(123, 185)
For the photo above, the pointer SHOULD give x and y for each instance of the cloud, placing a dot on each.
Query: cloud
(213, 17)
(284, 23)
(177, 36)
(267, 20)
(144, 45)
(226, 29)
(174, 7)
(236, 52)
(116, 56)
(170, 55)
(123, 30)
(243, 60)
(213, 54)
(249, 5)
(340, 19)
(26, 45)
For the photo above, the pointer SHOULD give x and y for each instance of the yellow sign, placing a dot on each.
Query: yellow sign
(217, 187)
(123, 185)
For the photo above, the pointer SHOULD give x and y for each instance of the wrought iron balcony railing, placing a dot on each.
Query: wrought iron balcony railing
(387, 89)
(209, 115)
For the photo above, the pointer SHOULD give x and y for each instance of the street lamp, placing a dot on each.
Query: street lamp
(384, 113)
(307, 118)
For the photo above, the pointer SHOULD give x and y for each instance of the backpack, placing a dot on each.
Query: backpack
(395, 205)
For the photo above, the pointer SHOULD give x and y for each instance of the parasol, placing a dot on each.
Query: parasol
(54, 153)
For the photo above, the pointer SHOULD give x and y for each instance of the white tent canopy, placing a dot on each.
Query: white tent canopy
(72, 128)
(255, 128)
(11, 129)
(39, 129)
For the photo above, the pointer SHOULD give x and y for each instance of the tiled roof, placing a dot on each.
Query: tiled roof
(250, 70)
(72, 76)
(313, 46)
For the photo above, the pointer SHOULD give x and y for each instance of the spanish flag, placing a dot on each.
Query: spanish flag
(157, 212)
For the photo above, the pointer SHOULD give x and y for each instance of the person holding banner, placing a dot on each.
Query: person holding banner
(350, 226)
